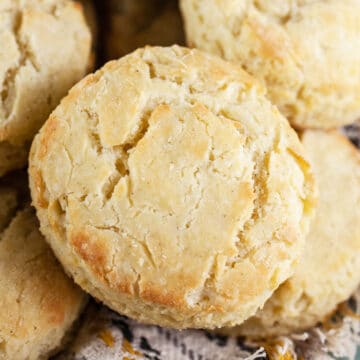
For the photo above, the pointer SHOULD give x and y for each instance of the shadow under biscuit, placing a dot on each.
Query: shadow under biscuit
(131, 24)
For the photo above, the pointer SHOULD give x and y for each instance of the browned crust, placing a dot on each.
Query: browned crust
(92, 251)
(154, 294)
(49, 130)
(40, 199)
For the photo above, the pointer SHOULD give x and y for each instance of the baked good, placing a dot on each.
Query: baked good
(307, 52)
(136, 23)
(330, 268)
(185, 182)
(38, 302)
(45, 47)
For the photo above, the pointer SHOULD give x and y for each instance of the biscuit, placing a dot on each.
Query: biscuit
(38, 302)
(166, 179)
(306, 52)
(45, 47)
(330, 268)
(136, 23)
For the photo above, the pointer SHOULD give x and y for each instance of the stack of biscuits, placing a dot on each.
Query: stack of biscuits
(206, 186)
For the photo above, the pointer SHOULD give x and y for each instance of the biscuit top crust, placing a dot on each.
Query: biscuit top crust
(45, 48)
(305, 51)
(169, 177)
(329, 269)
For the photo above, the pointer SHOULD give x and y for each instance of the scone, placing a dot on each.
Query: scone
(165, 180)
(38, 302)
(45, 48)
(136, 23)
(330, 268)
(307, 52)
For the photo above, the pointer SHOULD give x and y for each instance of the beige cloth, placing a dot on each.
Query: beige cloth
(107, 336)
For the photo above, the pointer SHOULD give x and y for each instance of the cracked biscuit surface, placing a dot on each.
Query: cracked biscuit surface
(45, 48)
(329, 270)
(38, 302)
(171, 189)
(307, 52)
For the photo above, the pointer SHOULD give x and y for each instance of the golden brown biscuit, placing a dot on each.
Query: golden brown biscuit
(307, 52)
(38, 302)
(136, 23)
(330, 268)
(45, 47)
(164, 181)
